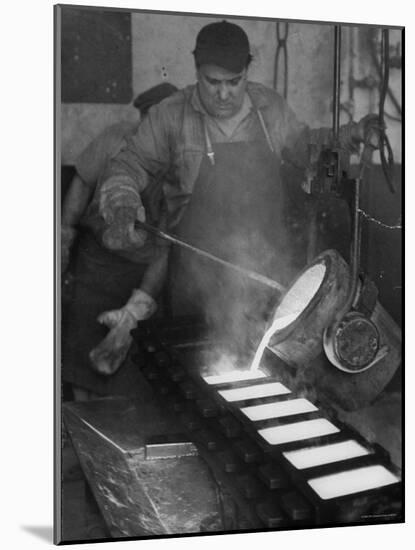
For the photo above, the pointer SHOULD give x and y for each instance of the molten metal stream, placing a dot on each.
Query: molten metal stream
(278, 324)
(292, 305)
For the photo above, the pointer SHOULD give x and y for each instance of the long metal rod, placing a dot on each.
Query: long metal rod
(247, 272)
(355, 247)
(355, 204)
(336, 83)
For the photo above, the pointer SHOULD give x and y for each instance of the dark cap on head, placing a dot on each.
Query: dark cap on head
(154, 95)
(223, 44)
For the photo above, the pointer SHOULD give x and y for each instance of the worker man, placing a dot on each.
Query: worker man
(220, 144)
(105, 278)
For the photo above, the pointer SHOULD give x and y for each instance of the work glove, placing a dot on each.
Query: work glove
(121, 233)
(108, 356)
(68, 234)
(120, 205)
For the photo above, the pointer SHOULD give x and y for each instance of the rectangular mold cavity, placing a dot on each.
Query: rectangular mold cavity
(170, 450)
(278, 410)
(325, 454)
(234, 376)
(254, 392)
(352, 481)
(297, 431)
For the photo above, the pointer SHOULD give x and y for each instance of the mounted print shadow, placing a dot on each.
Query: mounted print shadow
(229, 212)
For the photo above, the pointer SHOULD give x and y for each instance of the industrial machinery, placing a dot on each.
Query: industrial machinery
(354, 338)
(269, 432)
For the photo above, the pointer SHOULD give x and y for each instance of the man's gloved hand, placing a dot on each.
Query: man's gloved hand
(120, 206)
(68, 234)
(121, 233)
(108, 356)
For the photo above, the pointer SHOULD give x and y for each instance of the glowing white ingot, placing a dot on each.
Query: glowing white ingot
(297, 431)
(233, 376)
(353, 481)
(325, 454)
(254, 392)
(278, 410)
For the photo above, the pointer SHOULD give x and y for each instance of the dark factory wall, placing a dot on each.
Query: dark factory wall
(96, 56)
(381, 246)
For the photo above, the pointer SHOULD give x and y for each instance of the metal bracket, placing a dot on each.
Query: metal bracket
(368, 296)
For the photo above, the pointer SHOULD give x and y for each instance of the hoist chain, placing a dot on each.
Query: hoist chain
(369, 218)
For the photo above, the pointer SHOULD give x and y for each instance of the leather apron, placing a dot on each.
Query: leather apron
(235, 212)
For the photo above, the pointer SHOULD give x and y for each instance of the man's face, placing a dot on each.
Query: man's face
(222, 92)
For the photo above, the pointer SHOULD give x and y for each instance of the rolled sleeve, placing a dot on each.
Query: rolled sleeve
(91, 163)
